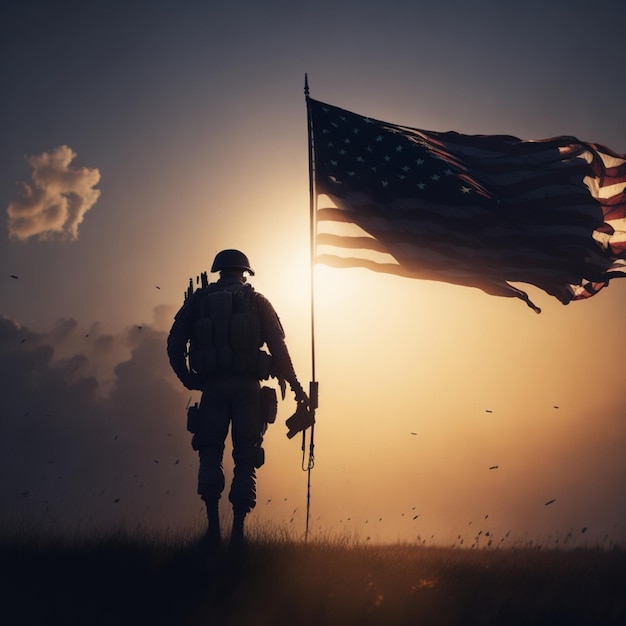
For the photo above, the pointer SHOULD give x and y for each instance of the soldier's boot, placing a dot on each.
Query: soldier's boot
(213, 535)
(237, 537)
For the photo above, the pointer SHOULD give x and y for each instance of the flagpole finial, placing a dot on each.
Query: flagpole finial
(306, 84)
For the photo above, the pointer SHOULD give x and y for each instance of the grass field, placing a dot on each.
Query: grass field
(135, 578)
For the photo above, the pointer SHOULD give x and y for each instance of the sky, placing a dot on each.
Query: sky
(140, 138)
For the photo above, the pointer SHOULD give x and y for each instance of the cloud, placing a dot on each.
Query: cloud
(55, 203)
(73, 457)
(63, 327)
(163, 316)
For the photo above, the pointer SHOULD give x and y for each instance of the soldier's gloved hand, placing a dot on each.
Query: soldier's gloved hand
(300, 394)
(192, 381)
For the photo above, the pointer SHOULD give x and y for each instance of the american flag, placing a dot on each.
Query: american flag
(474, 210)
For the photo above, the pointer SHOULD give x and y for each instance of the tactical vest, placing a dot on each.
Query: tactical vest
(226, 334)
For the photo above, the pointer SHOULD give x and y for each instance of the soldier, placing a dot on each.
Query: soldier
(214, 346)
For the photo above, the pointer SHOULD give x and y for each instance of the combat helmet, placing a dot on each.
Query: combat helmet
(231, 259)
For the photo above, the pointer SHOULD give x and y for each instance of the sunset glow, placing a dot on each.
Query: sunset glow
(178, 131)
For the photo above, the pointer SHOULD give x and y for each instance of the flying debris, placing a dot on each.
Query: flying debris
(414, 433)
(494, 467)
(555, 407)
(584, 530)
(177, 461)
(416, 516)
(116, 500)
(488, 411)
(158, 287)
(139, 328)
(550, 501)
(14, 276)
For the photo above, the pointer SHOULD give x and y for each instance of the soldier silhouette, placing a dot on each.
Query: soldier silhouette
(215, 345)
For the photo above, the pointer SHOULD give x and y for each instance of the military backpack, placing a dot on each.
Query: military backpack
(226, 336)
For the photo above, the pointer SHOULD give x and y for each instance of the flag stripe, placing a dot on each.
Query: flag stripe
(435, 255)
(430, 229)
(364, 243)
(495, 289)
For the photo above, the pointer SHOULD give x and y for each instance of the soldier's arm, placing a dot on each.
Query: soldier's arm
(274, 335)
(179, 335)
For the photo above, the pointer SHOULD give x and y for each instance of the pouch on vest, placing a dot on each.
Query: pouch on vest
(220, 310)
(209, 350)
(244, 335)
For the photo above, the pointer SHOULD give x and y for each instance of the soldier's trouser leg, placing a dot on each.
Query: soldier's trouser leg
(209, 442)
(211, 474)
(246, 436)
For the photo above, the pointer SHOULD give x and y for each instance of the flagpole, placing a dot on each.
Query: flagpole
(311, 223)
(313, 386)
